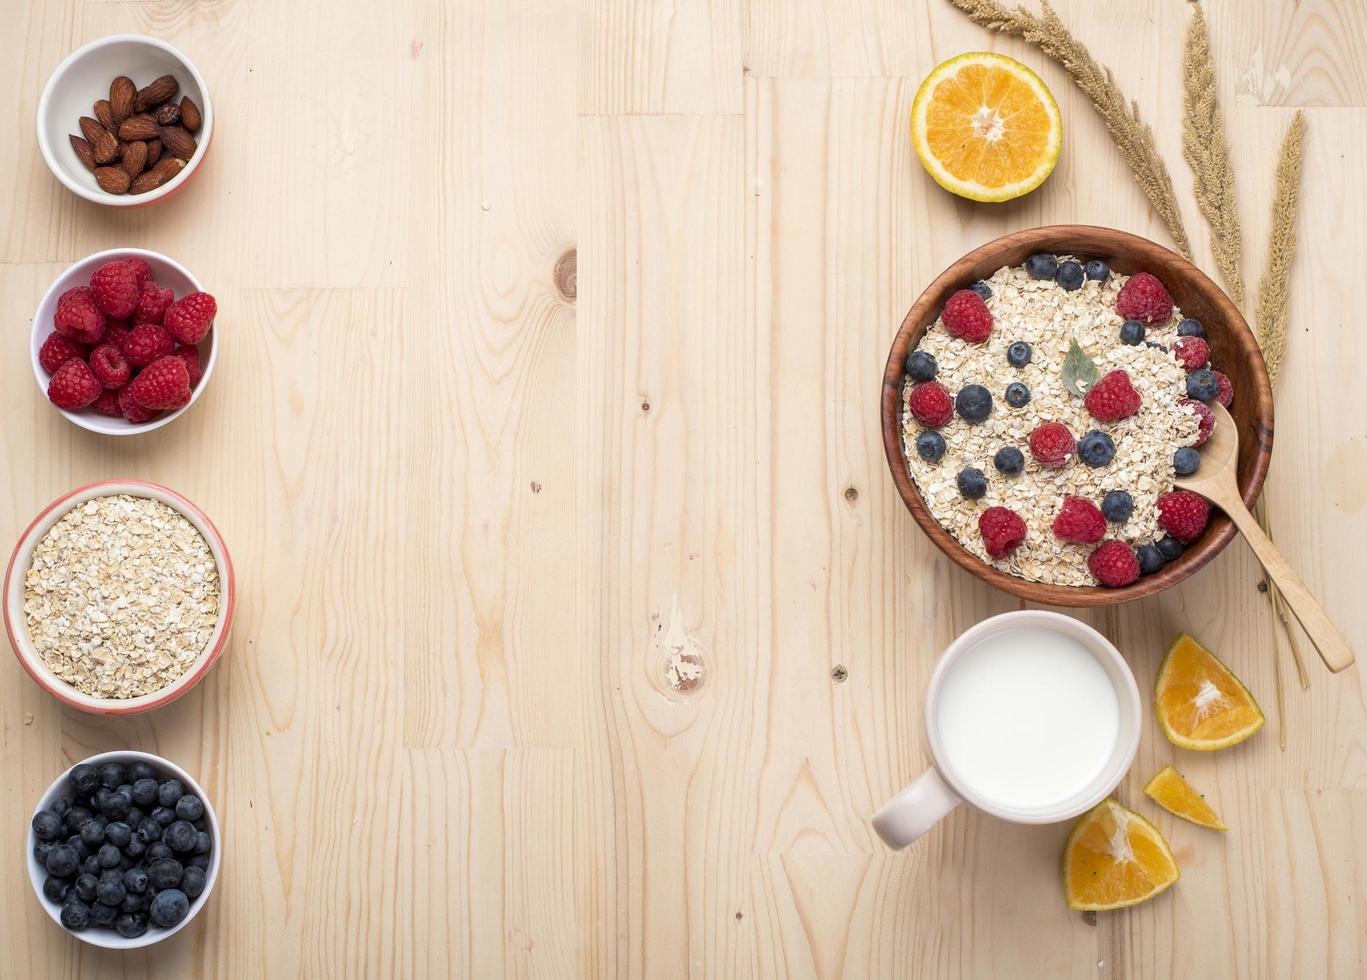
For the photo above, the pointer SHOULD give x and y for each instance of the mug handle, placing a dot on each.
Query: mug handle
(925, 802)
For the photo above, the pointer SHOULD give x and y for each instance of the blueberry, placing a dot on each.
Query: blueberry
(1041, 265)
(75, 915)
(99, 796)
(164, 815)
(85, 887)
(170, 791)
(1096, 449)
(61, 805)
(1098, 270)
(91, 865)
(930, 445)
(126, 791)
(193, 882)
(55, 889)
(149, 831)
(1017, 395)
(133, 903)
(109, 856)
(140, 770)
(1150, 559)
(1150, 343)
(130, 926)
(103, 915)
(1202, 385)
(1009, 460)
(1186, 460)
(46, 825)
(135, 817)
(180, 836)
(62, 861)
(111, 775)
(972, 483)
(75, 817)
(110, 892)
(1117, 506)
(135, 849)
(145, 792)
(118, 833)
(92, 831)
(1018, 354)
(115, 806)
(82, 849)
(84, 779)
(973, 403)
(982, 289)
(203, 842)
(1132, 332)
(42, 849)
(135, 880)
(169, 908)
(1191, 328)
(1170, 547)
(1069, 275)
(165, 873)
(157, 852)
(921, 366)
(200, 861)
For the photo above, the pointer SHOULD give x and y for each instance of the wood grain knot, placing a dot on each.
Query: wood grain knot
(566, 275)
(840, 674)
(852, 494)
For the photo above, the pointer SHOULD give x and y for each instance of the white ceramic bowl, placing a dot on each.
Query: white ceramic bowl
(17, 628)
(83, 78)
(108, 938)
(168, 273)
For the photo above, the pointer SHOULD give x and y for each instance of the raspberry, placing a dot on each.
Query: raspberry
(1052, 444)
(132, 411)
(1114, 564)
(1192, 353)
(162, 384)
(153, 302)
(146, 343)
(141, 270)
(107, 404)
(1080, 521)
(1113, 398)
(1226, 395)
(110, 367)
(1206, 417)
(115, 289)
(190, 355)
(1002, 530)
(931, 405)
(73, 386)
(1144, 298)
(967, 316)
(189, 318)
(1183, 514)
(78, 318)
(115, 332)
(57, 350)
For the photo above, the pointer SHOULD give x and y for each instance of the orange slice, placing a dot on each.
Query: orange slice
(1173, 793)
(1199, 703)
(1115, 858)
(986, 127)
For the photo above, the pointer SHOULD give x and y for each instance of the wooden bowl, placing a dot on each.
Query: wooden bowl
(1234, 350)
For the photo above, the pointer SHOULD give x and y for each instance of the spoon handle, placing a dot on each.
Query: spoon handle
(1332, 647)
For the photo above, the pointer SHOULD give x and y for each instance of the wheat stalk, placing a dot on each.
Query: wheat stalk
(1274, 293)
(1207, 151)
(1132, 136)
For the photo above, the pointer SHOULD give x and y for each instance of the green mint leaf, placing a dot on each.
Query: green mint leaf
(1079, 372)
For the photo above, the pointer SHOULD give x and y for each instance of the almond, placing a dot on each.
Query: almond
(153, 151)
(91, 129)
(178, 141)
(105, 115)
(149, 180)
(112, 180)
(134, 158)
(168, 167)
(156, 93)
(189, 115)
(122, 92)
(106, 147)
(139, 127)
(167, 114)
(84, 152)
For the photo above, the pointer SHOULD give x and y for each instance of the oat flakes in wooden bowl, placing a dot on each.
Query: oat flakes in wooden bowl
(119, 597)
(1233, 350)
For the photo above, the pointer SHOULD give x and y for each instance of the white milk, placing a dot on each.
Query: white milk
(1027, 717)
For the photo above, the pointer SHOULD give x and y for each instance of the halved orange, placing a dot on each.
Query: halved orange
(986, 127)
(1200, 704)
(1115, 858)
(1173, 793)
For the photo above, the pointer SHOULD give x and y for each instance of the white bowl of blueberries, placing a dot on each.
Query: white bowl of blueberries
(123, 850)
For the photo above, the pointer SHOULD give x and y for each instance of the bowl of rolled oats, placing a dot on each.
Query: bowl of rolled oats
(1043, 394)
(119, 597)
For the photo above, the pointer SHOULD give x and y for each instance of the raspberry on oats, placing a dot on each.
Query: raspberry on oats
(1205, 416)
(1079, 521)
(1183, 514)
(931, 405)
(1192, 352)
(1226, 390)
(1114, 564)
(1113, 398)
(1145, 299)
(966, 316)
(1052, 444)
(1002, 531)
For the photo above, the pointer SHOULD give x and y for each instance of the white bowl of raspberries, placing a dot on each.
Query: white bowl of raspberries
(124, 341)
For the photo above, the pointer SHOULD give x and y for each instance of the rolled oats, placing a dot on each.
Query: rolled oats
(122, 596)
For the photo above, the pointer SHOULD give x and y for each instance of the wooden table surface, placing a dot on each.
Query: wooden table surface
(552, 335)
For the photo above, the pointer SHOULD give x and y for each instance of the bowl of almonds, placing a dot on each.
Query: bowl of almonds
(125, 120)
(119, 597)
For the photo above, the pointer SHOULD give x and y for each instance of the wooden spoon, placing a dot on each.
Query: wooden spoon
(1215, 480)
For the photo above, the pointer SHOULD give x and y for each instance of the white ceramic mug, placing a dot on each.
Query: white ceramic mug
(941, 788)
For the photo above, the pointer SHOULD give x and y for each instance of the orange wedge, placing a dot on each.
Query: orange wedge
(1115, 858)
(1173, 793)
(986, 127)
(1199, 703)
